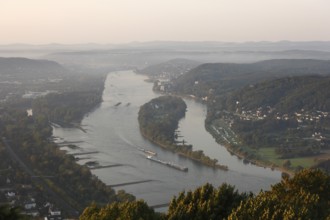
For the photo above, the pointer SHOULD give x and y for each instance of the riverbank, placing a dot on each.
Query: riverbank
(244, 153)
(183, 154)
(238, 150)
(158, 120)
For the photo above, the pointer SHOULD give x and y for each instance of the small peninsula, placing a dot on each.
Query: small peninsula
(158, 120)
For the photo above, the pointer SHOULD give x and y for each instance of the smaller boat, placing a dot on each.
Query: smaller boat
(149, 152)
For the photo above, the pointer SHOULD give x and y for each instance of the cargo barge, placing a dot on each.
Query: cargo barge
(169, 164)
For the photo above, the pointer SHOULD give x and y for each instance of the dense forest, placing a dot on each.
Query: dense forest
(287, 94)
(305, 196)
(158, 120)
(219, 78)
(67, 107)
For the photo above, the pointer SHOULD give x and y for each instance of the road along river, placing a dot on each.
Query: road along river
(111, 137)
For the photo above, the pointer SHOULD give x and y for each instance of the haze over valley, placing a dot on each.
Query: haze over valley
(165, 110)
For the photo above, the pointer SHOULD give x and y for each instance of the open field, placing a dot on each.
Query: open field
(270, 155)
(263, 156)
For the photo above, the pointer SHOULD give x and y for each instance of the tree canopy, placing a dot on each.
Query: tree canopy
(127, 210)
(305, 196)
(205, 202)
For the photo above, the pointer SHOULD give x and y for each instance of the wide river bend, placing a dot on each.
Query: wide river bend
(112, 133)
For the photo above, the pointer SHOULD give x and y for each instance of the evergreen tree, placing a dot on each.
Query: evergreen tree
(136, 210)
(305, 196)
(205, 202)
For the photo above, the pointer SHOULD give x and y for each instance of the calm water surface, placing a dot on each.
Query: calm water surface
(112, 130)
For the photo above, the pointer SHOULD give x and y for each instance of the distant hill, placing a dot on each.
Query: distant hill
(224, 77)
(23, 67)
(171, 68)
(141, 55)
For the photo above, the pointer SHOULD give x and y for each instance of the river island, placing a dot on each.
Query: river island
(158, 121)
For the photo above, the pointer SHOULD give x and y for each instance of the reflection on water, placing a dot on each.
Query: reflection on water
(113, 131)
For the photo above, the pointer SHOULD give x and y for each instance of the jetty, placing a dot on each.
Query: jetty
(130, 183)
(69, 143)
(104, 166)
(84, 153)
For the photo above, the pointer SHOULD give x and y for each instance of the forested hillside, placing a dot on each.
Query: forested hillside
(67, 107)
(29, 68)
(35, 167)
(286, 94)
(51, 175)
(219, 78)
(276, 120)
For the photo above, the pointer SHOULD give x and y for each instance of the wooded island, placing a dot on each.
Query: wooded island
(158, 120)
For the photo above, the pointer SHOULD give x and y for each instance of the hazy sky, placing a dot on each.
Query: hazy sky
(121, 21)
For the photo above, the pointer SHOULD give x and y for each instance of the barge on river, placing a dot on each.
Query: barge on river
(170, 164)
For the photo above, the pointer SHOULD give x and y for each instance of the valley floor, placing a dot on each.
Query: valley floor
(264, 156)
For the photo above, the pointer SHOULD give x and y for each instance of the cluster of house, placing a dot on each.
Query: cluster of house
(301, 116)
(169, 75)
(10, 92)
(304, 116)
(27, 203)
(258, 114)
(163, 86)
(24, 196)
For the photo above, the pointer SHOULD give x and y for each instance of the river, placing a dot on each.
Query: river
(112, 133)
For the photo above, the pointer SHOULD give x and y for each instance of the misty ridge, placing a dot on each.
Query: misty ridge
(146, 54)
(57, 61)
(141, 55)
